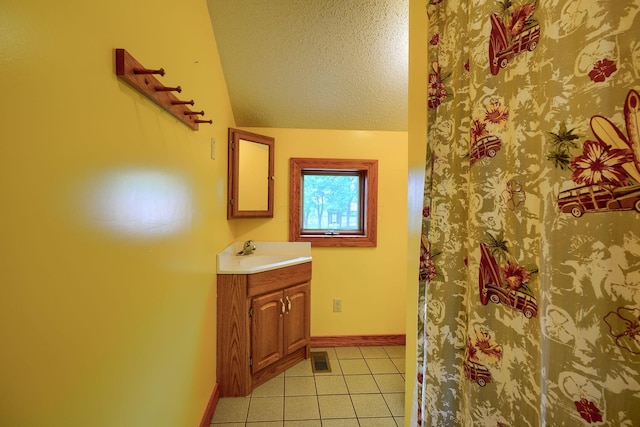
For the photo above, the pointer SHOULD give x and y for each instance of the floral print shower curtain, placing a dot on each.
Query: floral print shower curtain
(529, 304)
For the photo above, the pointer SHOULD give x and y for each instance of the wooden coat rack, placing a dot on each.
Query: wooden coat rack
(144, 80)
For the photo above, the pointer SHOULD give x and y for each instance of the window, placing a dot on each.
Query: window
(333, 202)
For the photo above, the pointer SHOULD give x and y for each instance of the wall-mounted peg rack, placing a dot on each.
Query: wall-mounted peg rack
(144, 80)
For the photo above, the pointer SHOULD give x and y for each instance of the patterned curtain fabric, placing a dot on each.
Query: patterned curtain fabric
(530, 261)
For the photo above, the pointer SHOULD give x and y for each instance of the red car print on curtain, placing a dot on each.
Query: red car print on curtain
(483, 141)
(506, 284)
(481, 351)
(520, 35)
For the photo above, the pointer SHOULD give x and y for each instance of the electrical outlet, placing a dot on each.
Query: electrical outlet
(337, 305)
(213, 149)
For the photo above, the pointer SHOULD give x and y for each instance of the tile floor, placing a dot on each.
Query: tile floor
(365, 388)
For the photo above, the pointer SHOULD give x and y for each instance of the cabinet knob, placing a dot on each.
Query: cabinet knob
(282, 305)
(288, 304)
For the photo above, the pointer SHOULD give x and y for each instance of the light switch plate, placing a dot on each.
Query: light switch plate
(213, 149)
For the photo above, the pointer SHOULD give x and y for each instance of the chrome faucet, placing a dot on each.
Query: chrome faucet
(247, 248)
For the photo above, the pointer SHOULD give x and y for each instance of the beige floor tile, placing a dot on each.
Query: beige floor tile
(374, 352)
(231, 409)
(390, 383)
(265, 424)
(400, 364)
(395, 351)
(301, 408)
(382, 366)
(228, 424)
(273, 387)
(336, 406)
(266, 409)
(370, 405)
(303, 423)
(358, 384)
(348, 353)
(399, 421)
(299, 386)
(341, 422)
(331, 385)
(354, 366)
(377, 422)
(301, 369)
(395, 402)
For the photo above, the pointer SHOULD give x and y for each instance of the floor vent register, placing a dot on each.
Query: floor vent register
(320, 361)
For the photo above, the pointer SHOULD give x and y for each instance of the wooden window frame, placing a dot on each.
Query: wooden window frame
(367, 169)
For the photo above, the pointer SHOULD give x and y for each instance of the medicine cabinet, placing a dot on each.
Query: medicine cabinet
(251, 168)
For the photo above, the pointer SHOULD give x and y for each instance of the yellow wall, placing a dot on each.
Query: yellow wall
(418, 70)
(370, 281)
(112, 214)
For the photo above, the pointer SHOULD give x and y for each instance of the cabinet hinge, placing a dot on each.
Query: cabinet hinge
(231, 202)
(251, 362)
(250, 311)
(233, 145)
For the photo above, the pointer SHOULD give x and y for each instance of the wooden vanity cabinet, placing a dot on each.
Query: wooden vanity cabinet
(263, 326)
(278, 325)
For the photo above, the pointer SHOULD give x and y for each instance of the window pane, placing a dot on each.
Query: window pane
(331, 202)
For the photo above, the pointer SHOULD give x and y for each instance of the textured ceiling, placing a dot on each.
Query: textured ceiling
(315, 64)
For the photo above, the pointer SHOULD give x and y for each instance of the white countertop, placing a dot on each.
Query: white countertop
(267, 256)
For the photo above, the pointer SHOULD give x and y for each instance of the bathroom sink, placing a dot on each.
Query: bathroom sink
(267, 256)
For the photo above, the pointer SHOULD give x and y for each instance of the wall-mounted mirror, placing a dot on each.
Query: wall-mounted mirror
(251, 165)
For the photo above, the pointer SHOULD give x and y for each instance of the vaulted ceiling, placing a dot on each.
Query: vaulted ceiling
(315, 64)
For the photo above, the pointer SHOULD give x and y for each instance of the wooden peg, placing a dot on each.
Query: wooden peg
(204, 121)
(178, 102)
(168, 89)
(147, 71)
(194, 113)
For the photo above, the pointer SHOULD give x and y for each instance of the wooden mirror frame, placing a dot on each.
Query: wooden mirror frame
(234, 196)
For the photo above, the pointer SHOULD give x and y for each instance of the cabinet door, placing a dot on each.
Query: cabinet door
(297, 317)
(266, 329)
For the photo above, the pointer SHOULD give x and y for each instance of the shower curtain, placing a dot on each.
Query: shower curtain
(529, 301)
